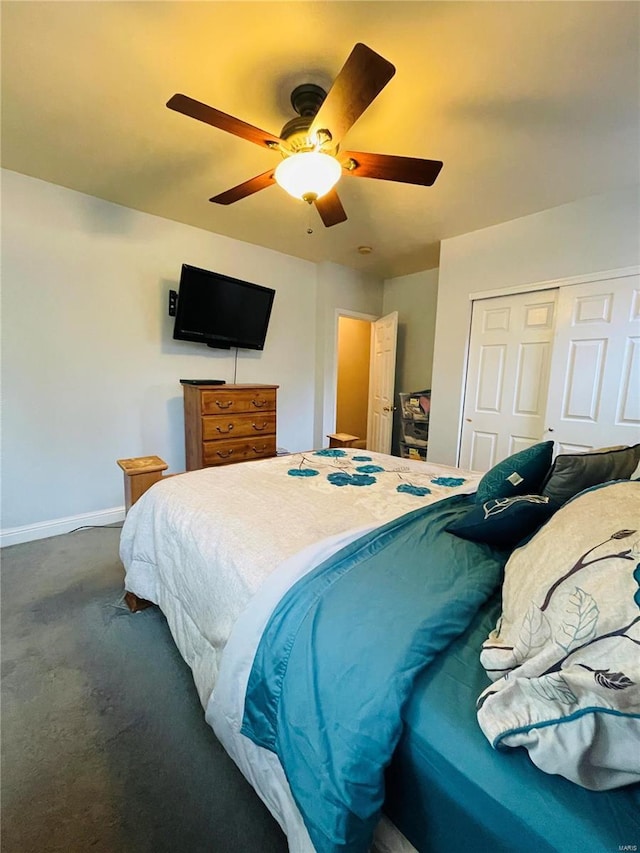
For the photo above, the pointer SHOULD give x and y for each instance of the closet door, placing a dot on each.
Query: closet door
(507, 376)
(594, 388)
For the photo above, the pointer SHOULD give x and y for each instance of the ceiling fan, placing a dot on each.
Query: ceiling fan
(310, 143)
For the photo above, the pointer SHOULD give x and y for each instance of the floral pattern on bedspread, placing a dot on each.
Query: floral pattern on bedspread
(336, 467)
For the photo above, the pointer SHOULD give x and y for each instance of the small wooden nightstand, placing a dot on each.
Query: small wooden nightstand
(342, 439)
(140, 473)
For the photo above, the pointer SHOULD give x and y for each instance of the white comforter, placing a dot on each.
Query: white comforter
(201, 544)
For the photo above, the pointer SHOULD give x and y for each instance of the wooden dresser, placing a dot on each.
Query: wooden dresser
(228, 423)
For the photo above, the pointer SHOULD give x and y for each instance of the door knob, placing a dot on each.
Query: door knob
(388, 408)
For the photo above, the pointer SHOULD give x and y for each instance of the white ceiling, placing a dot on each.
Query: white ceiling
(529, 104)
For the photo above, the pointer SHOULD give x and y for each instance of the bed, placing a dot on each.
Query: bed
(348, 619)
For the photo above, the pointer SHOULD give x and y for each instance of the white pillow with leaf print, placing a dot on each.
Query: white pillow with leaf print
(565, 655)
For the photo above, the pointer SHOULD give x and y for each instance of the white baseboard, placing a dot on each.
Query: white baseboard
(57, 526)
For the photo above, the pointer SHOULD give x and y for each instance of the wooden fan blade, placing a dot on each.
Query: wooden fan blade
(363, 76)
(249, 187)
(387, 167)
(209, 115)
(330, 209)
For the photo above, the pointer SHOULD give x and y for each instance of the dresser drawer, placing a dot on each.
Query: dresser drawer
(238, 426)
(238, 449)
(238, 400)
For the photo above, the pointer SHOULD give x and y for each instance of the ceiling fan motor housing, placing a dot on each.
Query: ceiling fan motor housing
(306, 100)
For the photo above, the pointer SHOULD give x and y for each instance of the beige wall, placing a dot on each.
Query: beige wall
(354, 341)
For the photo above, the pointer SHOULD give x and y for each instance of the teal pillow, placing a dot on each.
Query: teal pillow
(503, 522)
(520, 474)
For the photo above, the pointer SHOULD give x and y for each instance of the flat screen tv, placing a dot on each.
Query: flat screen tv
(221, 311)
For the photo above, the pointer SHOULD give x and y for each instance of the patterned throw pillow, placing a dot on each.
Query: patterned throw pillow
(564, 656)
(520, 474)
(572, 473)
(503, 522)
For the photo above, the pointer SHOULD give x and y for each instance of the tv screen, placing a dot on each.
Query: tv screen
(221, 311)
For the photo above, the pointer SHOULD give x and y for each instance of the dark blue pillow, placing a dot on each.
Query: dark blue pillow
(520, 474)
(503, 522)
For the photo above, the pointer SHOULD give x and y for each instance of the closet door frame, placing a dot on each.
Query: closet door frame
(602, 275)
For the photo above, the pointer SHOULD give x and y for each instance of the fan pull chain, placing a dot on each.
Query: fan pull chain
(309, 215)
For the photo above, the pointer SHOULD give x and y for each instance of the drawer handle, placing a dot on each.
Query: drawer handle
(259, 428)
(224, 455)
(259, 403)
(222, 405)
(224, 431)
(259, 449)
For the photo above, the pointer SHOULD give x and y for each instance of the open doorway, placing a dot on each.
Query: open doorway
(352, 387)
(365, 378)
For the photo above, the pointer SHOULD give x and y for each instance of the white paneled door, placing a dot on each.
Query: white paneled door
(561, 364)
(384, 335)
(507, 377)
(594, 390)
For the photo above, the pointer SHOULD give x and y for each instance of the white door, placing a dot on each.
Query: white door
(384, 335)
(507, 376)
(594, 389)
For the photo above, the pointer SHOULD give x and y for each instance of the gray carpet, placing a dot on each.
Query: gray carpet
(104, 743)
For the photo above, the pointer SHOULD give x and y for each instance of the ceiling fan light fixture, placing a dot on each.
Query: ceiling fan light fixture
(308, 175)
